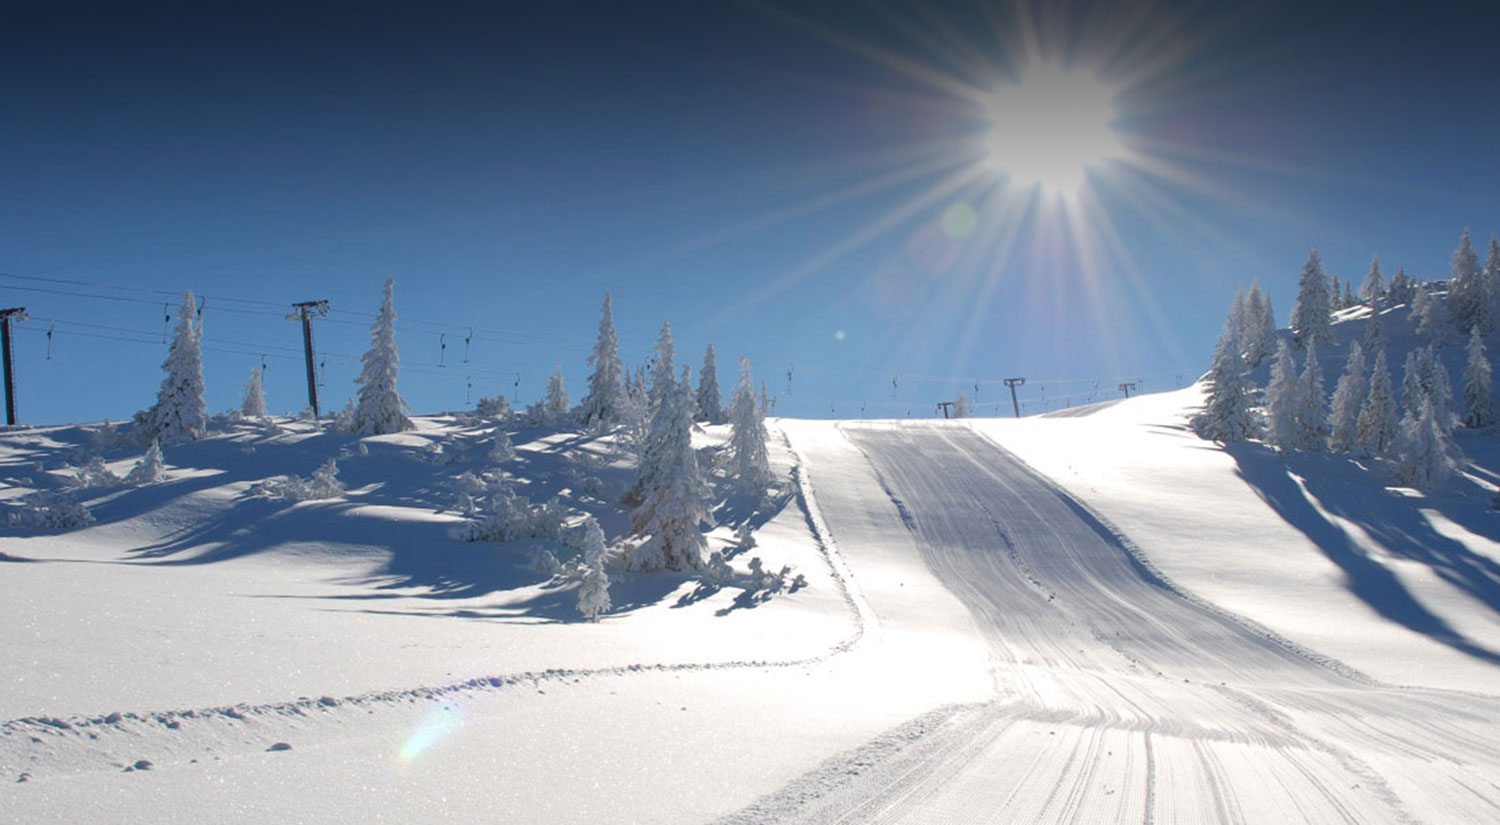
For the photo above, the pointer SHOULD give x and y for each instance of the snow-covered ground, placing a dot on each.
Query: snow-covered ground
(1094, 616)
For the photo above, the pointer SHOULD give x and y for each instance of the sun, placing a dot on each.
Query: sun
(1050, 127)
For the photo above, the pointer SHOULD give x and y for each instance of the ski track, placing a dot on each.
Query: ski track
(39, 747)
(1123, 697)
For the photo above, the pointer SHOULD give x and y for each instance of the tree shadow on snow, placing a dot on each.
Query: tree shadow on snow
(1345, 490)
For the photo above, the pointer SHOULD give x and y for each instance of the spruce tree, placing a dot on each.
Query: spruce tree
(1348, 396)
(1425, 461)
(673, 491)
(1467, 301)
(1479, 404)
(1374, 333)
(180, 411)
(1262, 340)
(558, 403)
(253, 404)
(1491, 276)
(710, 400)
(1373, 288)
(1349, 299)
(1337, 293)
(1228, 413)
(593, 592)
(747, 439)
(1437, 387)
(601, 407)
(1430, 315)
(380, 409)
(1240, 316)
(150, 469)
(1311, 322)
(1284, 401)
(1401, 290)
(1376, 431)
(1312, 418)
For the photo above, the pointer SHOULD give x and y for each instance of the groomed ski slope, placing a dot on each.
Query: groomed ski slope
(1118, 697)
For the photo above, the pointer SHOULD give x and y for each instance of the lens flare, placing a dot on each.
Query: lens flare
(1051, 127)
(437, 725)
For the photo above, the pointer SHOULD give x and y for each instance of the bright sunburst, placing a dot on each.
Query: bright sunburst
(1050, 127)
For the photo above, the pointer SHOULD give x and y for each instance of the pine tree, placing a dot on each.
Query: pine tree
(1374, 332)
(1261, 340)
(1284, 401)
(1349, 299)
(747, 438)
(1412, 389)
(1467, 301)
(1401, 290)
(1376, 432)
(1348, 396)
(1312, 418)
(1479, 404)
(150, 469)
(1373, 288)
(593, 593)
(710, 400)
(180, 411)
(253, 405)
(1491, 277)
(1240, 316)
(601, 407)
(380, 408)
(1227, 413)
(1437, 387)
(673, 491)
(1337, 294)
(558, 403)
(1311, 323)
(501, 449)
(1426, 461)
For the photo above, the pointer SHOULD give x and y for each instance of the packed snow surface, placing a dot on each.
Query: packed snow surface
(1098, 617)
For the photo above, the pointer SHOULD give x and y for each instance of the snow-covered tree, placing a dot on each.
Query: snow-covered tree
(1312, 418)
(1284, 404)
(253, 402)
(558, 403)
(1373, 288)
(1348, 397)
(1259, 338)
(1426, 454)
(710, 399)
(601, 407)
(1479, 404)
(380, 408)
(1430, 315)
(179, 411)
(501, 449)
(747, 438)
(1228, 413)
(1349, 297)
(1403, 288)
(593, 592)
(1468, 303)
(1374, 333)
(1438, 388)
(1376, 429)
(150, 468)
(672, 490)
(1491, 276)
(1337, 294)
(961, 405)
(1311, 323)
(1239, 320)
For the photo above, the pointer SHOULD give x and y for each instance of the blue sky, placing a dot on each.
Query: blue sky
(768, 180)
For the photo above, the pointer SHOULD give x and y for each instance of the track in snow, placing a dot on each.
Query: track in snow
(1120, 699)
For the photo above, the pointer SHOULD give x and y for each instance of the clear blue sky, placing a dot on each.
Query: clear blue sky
(770, 182)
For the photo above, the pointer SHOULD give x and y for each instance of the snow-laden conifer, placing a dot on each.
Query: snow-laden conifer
(380, 408)
(558, 403)
(1239, 320)
(1259, 341)
(747, 438)
(1479, 403)
(1429, 313)
(1376, 428)
(601, 407)
(961, 405)
(1311, 322)
(1468, 303)
(1284, 401)
(672, 490)
(1402, 289)
(1348, 397)
(593, 592)
(1426, 454)
(1437, 387)
(1349, 297)
(710, 399)
(179, 411)
(1312, 418)
(1372, 290)
(150, 469)
(1228, 413)
(1491, 275)
(1374, 333)
(253, 402)
(1337, 294)
(501, 449)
